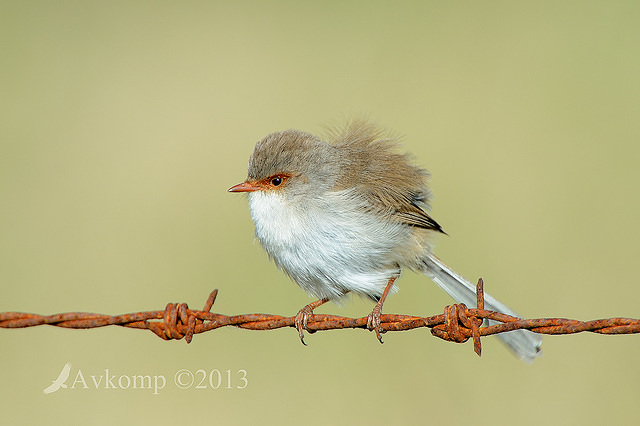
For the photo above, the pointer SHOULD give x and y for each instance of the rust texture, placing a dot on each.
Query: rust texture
(457, 324)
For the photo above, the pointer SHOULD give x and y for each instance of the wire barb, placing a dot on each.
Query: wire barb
(457, 324)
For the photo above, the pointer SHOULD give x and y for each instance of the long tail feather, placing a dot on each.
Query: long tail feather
(523, 343)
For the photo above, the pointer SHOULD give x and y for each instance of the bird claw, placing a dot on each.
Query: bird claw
(301, 321)
(373, 322)
(302, 318)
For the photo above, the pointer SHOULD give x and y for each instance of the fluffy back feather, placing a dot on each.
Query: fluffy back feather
(389, 180)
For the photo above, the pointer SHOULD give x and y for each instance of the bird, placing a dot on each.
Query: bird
(59, 381)
(345, 214)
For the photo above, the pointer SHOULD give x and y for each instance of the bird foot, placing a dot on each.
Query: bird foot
(302, 318)
(373, 322)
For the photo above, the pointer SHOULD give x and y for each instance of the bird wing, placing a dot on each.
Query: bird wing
(415, 216)
(64, 374)
(405, 206)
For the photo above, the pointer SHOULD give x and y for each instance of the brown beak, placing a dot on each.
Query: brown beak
(244, 187)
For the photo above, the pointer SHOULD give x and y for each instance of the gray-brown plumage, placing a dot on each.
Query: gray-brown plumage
(359, 156)
(369, 161)
(345, 215)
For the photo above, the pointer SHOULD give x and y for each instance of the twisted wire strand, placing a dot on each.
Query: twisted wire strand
(457, 324)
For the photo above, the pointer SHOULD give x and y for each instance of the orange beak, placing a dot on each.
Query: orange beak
(244, 187)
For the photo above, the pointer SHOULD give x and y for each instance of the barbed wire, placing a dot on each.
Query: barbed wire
(457, 324)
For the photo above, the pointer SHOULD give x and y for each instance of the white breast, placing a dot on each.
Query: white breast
(329, 246)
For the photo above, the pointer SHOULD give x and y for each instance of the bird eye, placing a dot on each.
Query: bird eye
(276, 181)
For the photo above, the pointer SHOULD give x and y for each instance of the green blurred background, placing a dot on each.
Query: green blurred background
(124, 123)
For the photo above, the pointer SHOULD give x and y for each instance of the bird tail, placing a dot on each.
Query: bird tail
(525, 344)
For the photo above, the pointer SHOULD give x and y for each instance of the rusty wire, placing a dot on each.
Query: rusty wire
(457, 324)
